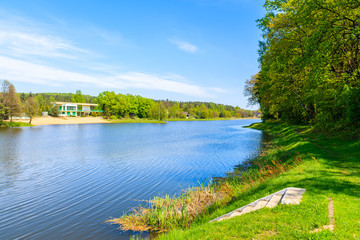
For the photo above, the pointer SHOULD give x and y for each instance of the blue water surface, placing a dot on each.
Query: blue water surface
(65, 181)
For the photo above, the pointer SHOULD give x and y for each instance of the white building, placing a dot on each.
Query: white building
(68, 109)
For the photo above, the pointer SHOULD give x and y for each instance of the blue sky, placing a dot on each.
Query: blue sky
(184, 50)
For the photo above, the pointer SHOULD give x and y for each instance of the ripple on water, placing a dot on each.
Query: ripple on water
(63, 182)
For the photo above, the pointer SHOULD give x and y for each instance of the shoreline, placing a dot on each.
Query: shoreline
(209, 119)
(43, 121)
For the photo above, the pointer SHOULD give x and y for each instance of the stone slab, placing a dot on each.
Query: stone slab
(274, 201)
(293, 196)
(286, 196)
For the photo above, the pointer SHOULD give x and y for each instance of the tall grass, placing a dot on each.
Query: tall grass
(169, 212)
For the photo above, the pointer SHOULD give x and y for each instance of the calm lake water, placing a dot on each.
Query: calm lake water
(64, 181)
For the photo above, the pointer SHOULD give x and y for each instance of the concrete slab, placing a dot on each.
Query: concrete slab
(289, 195)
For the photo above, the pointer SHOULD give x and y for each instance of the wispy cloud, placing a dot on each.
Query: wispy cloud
(184, 46)
(22, 71)
(33, 53)
(23, 43)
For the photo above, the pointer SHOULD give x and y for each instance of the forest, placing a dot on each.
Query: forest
(114, 106)
(121, 105)
(309, 63)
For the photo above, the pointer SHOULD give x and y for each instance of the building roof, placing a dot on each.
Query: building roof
(82, 104)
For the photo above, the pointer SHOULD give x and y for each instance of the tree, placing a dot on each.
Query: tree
(31, 107)
(42, 102)
(158, 111)
(54, 111)
(309, 62)
(3, 113)
(51, 99)
(78, 97)
(11, 100)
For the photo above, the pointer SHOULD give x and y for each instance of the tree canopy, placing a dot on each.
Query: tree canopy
(121, 105)
(309, 63)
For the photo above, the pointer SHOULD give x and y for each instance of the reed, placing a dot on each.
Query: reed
(169, 212)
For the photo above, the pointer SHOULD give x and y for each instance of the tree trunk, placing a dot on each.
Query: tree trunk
(30, 119)
(301, 101)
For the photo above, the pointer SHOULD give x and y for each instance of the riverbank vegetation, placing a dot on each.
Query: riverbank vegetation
(16, 124)
(309, 64)
(296, 156)
(116, 107)
(123, 106)
(136, 120)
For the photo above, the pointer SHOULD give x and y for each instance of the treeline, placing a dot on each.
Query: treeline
(114, 106)
(44, 99)
(309, 60)
(122, 106)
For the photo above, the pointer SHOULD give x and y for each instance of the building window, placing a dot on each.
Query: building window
(71, 108)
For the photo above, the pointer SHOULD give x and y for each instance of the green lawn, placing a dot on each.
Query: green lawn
(197, 119)
(330, 167)
(16, 124)
(136, 120)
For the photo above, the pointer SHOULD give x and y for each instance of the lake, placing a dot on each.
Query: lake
(65, 181)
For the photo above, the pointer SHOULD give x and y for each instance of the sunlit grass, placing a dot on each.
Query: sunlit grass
(16, 124)
(136, 120)
(325, 166)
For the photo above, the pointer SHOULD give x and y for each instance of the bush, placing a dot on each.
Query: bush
(54, 111)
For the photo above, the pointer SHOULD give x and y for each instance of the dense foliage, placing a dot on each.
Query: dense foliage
(10, 104)
(121, 105)
(309, 60)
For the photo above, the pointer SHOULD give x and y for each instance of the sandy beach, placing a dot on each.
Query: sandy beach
(37, 121)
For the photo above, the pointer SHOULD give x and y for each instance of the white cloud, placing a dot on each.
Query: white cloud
(18, 70)
(29, 51)
(23, 43)
(184, 46)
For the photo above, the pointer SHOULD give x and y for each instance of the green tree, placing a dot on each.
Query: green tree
(158, 111)
(52, 99)
(78, 97)
(31, 107)
(54, 111)
(3, 113)
(309, 53)
(42, 103)
(11, 100)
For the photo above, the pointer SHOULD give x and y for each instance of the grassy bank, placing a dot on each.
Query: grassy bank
(193, 119)
(16, 124)
(208, 119)
(136, 120)
(324, 166)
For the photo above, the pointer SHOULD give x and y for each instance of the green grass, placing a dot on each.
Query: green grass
(207, 119)
(327, 167)
(136, 120)
(16, 124)
(193, 119)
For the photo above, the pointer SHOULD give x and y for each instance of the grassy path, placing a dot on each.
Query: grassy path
(329, 168)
